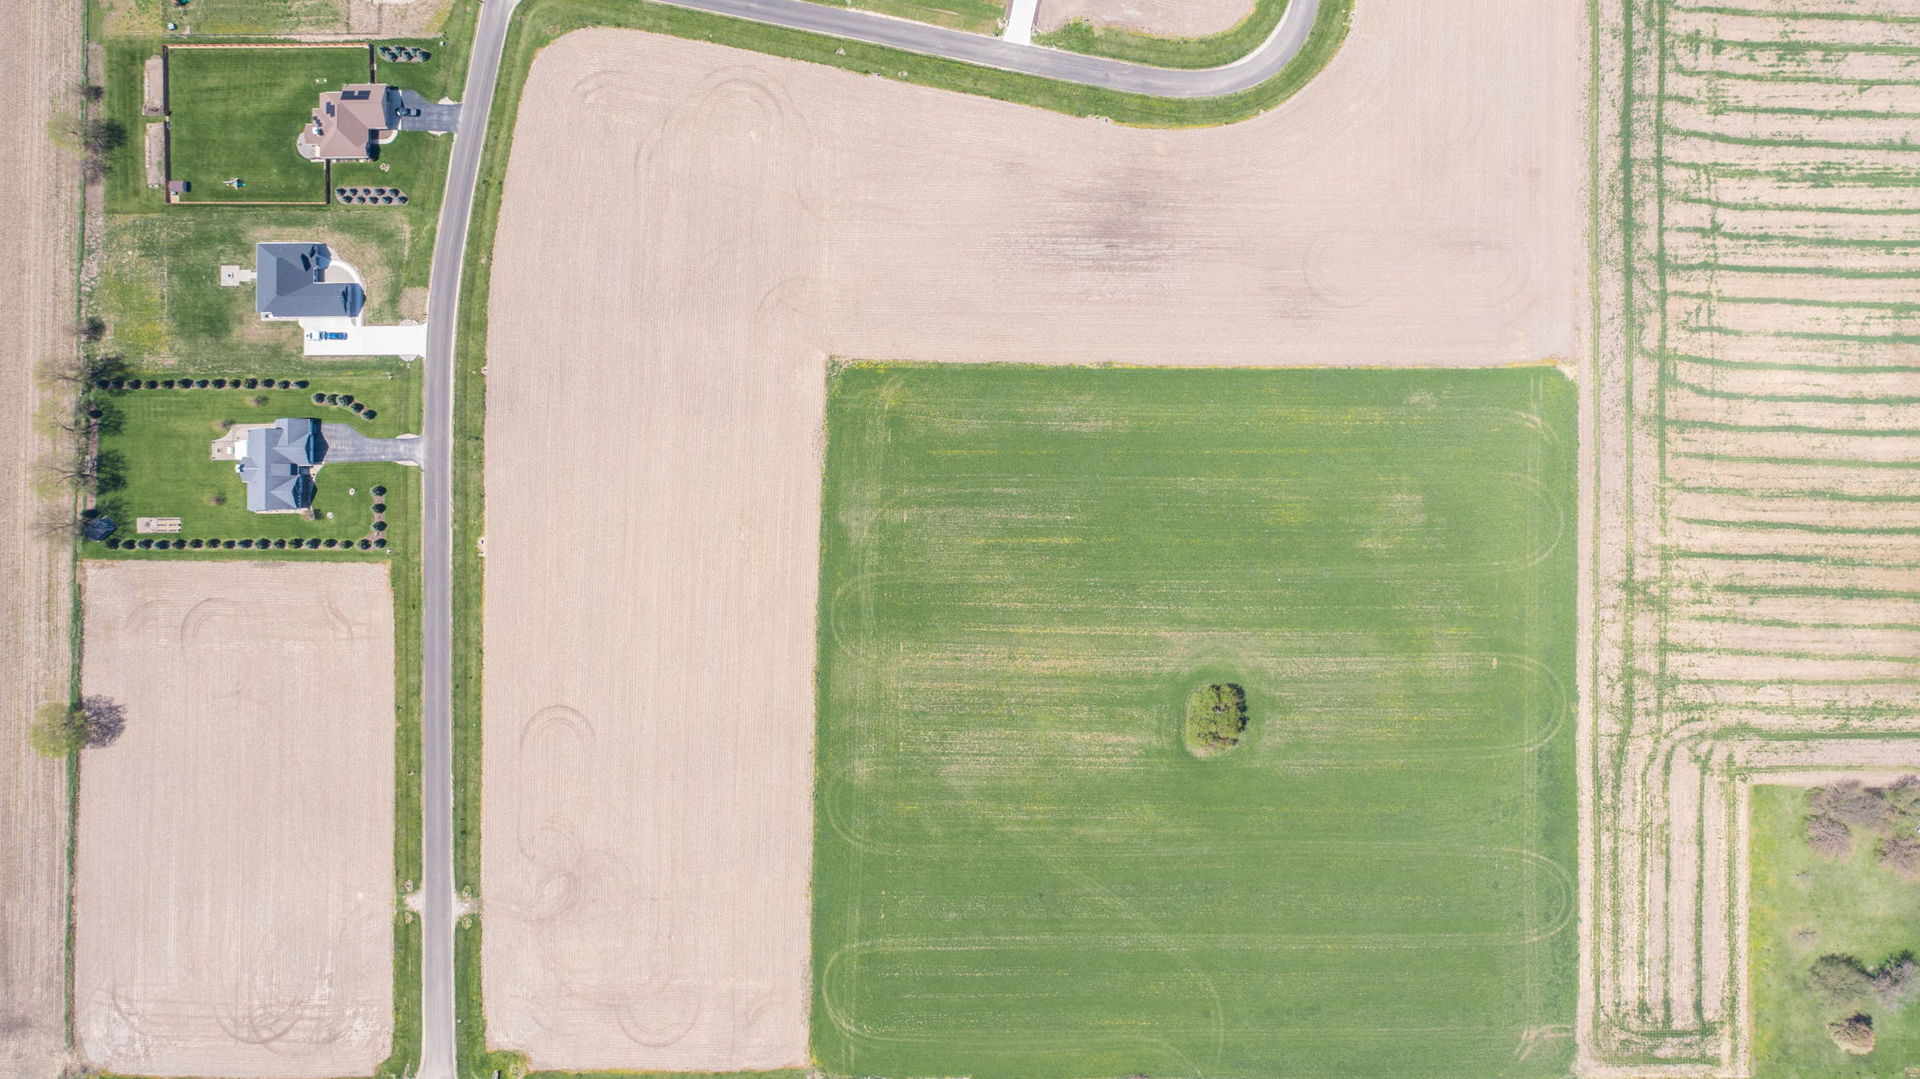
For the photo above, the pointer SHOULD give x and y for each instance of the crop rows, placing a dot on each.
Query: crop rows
(1758, 523)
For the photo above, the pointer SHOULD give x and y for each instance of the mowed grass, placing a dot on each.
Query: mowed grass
(160, 448)
(1021, 871)
(235, 112)
(1804, 907)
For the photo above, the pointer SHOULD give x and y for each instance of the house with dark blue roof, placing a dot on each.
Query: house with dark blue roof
(291, 282)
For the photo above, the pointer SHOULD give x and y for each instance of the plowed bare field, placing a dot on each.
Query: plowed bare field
(41, 55)
(690, 231)
(235, 894)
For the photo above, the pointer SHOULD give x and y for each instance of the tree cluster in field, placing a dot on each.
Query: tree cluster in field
(1842, 811)
(62, 729)
(1842, 981)
(346, 401)
(1216, 717)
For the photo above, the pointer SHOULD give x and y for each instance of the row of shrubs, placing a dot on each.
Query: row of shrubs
(311, 543)
(345, 400)
(201, 384)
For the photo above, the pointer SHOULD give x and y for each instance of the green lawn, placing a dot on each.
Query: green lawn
(159, 289)
(1214, 50)
(235, 112)
(160, 441)
(1804, 907)
(980, 16)
(1020, 870)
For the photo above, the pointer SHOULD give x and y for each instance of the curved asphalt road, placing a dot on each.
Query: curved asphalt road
(449, 257)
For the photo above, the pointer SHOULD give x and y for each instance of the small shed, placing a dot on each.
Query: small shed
(178, 187)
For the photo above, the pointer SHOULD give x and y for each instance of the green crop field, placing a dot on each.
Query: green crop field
(1021, 870)
(235, 113)
(1804, 907)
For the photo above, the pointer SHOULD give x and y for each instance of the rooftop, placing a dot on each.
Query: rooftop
(291, 282)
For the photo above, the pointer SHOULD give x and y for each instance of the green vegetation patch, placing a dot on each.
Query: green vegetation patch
(1021, 870)
(156, 461)
(1216, 717)
(1213, 50)
(235, 112)
(1831, 934)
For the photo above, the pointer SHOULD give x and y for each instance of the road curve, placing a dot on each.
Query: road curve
(438, 1036)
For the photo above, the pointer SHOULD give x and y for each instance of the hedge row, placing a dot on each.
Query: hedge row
(200, 384)
(345, 400)
(115, 543)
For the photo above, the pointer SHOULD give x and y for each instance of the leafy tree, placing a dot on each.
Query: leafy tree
(1840, 979)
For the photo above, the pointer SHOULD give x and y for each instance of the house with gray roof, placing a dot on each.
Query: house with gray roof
(291, 281)
(276, 463)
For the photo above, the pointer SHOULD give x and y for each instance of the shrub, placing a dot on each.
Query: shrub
(330, 543)
(346, 399)
(1854, 1033)
(358, 407)
(227, 544)
(333, 399)
(113, 543)
(152, 384)
(257, 400)
(167, 383)
(1829, 837)
(219, 383)
(246, 543)
(379, 526)
(161, 545)
(319, 398)
(368, 414)
(279, 545)
(380, 542)
(283, 384)
(379, 492)
(313, 543)
(145, 544)
(379, 507)
(1850, 802)
(366, 545)
(119, 384)
(1839, 979)
(299, 384)
(196, 544)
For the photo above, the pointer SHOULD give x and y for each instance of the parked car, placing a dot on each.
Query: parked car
(333, 335)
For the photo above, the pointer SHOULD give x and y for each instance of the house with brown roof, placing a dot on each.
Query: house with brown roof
(349, 121)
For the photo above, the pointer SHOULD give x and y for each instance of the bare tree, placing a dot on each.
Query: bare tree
(103, 719)
(1851, 802)
(1829, 837)
(1901, 854)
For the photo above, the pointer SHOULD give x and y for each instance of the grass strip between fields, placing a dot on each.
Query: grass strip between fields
(1213, 50)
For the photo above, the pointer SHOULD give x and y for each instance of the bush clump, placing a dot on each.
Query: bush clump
(1854, 1033)
(1216, 717)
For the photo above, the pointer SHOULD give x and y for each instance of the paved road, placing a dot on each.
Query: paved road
(449, 255)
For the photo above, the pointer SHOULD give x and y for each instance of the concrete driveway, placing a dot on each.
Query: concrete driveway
(346, 445)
